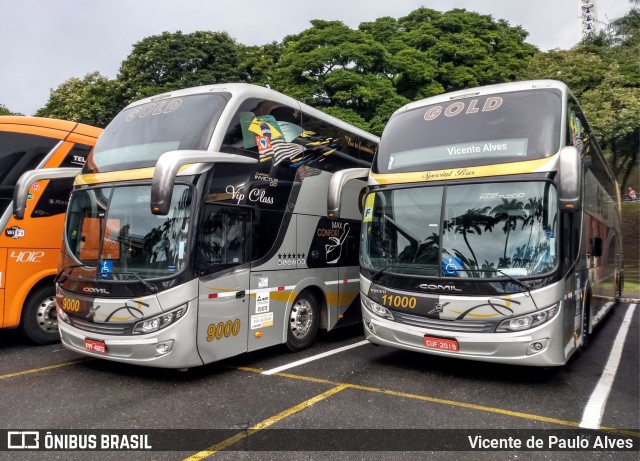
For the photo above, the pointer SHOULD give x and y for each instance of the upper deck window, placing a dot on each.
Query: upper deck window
(478, 130)
(139, 135)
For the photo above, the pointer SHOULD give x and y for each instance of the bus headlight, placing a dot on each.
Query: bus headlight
(376, 308)
(160, 321)
(524, 322)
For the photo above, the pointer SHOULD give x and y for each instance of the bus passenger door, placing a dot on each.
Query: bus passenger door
(222, 254)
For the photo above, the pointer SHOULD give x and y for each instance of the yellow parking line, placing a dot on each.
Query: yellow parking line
(37, 370)
(264, 424)
(454, 403)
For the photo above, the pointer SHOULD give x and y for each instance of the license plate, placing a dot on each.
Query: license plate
(442, 344)
(95, 346)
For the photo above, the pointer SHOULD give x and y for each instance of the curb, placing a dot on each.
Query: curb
(629, 300)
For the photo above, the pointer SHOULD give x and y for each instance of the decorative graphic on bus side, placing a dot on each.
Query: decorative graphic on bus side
(335, 242)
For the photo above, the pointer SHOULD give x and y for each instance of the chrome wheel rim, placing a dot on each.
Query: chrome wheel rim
(301, 318)
(46, 315)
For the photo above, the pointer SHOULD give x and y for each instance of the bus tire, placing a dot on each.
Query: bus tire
(39, 320)
(304, 319)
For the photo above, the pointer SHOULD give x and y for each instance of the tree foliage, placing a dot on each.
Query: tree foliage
(93, 100)
(603, 72)
(363, 75)
(172, 61)
(5, 111)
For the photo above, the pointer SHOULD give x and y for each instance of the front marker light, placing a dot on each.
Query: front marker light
(525, 322)
(376, 308)
(159, 322)
(62, 315)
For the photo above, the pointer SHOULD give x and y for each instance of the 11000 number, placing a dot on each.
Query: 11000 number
(405, 302)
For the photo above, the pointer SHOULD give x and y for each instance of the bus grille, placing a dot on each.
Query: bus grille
(463, 326)
(101, 328)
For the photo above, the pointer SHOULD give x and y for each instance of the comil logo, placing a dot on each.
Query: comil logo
(23, 440)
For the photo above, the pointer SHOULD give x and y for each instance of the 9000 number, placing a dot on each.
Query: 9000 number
(71, 305)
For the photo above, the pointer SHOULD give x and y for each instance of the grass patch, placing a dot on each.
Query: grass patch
(632, 279)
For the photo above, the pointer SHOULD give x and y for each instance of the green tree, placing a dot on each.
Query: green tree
(430, 52)
(5, 111)
(257, 63)
(172, 61)
(578, 69)
(93, 100)
(603, 72)
(614, 113)
(331, 65)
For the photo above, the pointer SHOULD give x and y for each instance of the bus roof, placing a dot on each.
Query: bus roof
(255, 91)
(50, 123)
(485, 90)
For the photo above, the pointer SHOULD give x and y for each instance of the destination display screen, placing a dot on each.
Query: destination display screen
(478, 130)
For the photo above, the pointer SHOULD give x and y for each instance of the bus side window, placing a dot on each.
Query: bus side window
(264, 234)
(330, 148)
(243, 140)
(55, 197)
(570, 245)
(222, 240)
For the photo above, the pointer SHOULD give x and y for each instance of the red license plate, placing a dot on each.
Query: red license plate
(95, 346)
(442, 344)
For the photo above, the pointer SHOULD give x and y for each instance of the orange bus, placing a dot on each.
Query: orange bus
(30, 248)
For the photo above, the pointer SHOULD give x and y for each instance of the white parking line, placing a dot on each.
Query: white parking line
(312, 358)
(594, 410)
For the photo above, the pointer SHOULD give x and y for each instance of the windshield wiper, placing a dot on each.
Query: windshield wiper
(517, 282)
(378, 273)
(149, 286)
(60, 278)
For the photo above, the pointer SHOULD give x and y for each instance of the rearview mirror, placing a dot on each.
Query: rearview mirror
(570, 180)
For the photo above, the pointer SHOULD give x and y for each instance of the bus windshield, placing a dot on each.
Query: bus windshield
(488, 230)
(139, 135)
(113, 227)
(515, 126)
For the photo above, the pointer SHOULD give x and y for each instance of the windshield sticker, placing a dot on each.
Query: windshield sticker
(367, 215)
(451, 266)
(106, 269)
(498, 195)
(171, 268)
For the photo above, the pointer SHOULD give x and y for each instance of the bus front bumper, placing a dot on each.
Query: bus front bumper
(541, 346)
(172, 347)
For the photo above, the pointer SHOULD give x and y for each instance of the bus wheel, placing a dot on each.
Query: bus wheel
(303, 322)
(39, 319)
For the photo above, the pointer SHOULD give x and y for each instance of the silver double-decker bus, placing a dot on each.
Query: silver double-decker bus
(197, 229)
(491, 228)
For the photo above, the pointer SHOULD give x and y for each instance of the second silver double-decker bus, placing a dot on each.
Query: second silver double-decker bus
(197, 230)
(491, 230)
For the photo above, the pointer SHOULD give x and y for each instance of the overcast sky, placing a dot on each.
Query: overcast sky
(43, 43)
